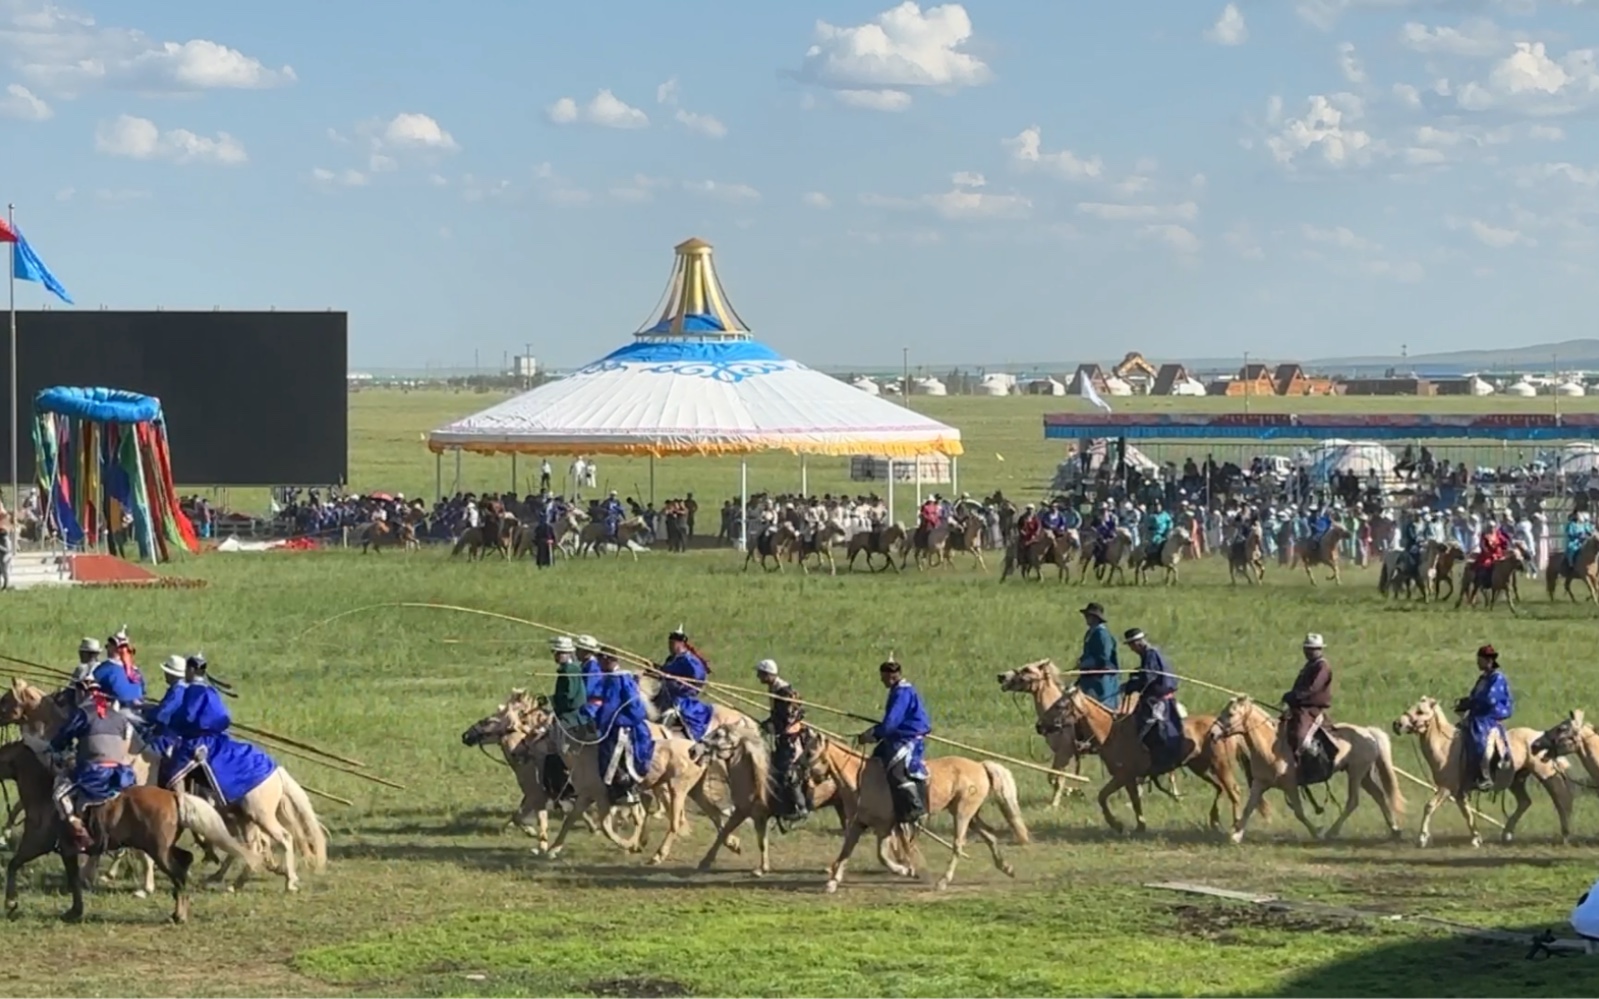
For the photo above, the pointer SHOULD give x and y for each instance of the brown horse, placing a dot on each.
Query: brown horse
(1245, 557)
(770, 543)
(593, 535)
(819, 546)
(955, 785)
(381, 534)
(1325, 552)
(1572, 737)
(1118, 551)
(1128, 761)
(1585, 567)
(965, 535)
(143, 818)
(495, 536)
(1046, 549)
(891, 537)
(1501, 579)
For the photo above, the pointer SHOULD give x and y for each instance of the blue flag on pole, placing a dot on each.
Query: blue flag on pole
(26, 266)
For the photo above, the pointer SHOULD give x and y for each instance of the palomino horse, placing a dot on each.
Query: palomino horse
(1127, 758)
(968, 538)
(1043, 681)
(1246, 557)
(593, 535)
(883, 544)
(769, 543)
(819, 546)
(675, 776)
(1501, 579)
(1584, 567)
(1363, 752)
(1572, 737)
(1399, 571)
(147, 819)
(1443, 747)
(954, 784)
(1443, 571)
(1325, 552)
(508, 728)
(277, 808)
(1171, 552)
(743, 753)
(380, 534)
(927, 548)
(1118, 551)
(1048, 548)
(495, 535)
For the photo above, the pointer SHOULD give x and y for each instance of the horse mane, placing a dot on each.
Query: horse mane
(1051, 671)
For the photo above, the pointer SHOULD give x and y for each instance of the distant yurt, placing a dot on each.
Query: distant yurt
(1363, 458)
(1191, 387)
(867, 385)
(1045, 386)
(996, 384)
(928, 386)
(1477, 387)
(1117, 386)
(1570, 389)
(1578, 459)
(1521, 389)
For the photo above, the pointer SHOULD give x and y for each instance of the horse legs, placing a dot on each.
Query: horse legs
(69, 863)
(677, 823)
(963, 819)
(1432, 805)
(268, 823)
(852, 836)
(1518, 788)
(569, 820)
(1560, 796)
(992, 839)
(1257, 791)
(29, 849)
(1351, 801)
(724, 830)
(1111, 787)
(175, 865)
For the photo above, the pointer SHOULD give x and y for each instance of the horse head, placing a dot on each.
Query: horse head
(508, 719)
(1234, 718)
(26, 704)
(1418, 718)
(1562, 740)
(1026, 679)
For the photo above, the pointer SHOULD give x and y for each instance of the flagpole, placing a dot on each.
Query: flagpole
(11, 309)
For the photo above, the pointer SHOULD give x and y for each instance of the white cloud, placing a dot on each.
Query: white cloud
(1403, 271)
(965, 204)
(1531, 82)
(666, 93)
(1187, 211)
(1026, 149)
(731, 193)
(140, 139)
(551, 186)
(901, 49)
(1179, 238)
(1229, 28)
(410, 130)
(965, 178)
(874, 100)
(329, 179)
(66, 194)
(475, 189)
(1349, 63)
(1241, 238)
(1341, 237)
(604, 109)
(1328, 133)
(379, 163)
(816, 199)
(1475, 38)
(1407, 96)
(704, 124)
(66, 53)
(1497, 237)
(1529, 176)
(20, 102)
(641, 188)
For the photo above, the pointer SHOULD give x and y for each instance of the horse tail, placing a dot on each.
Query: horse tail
(205, 822)
(295, 809)
(1383, 581)
(1005, 790)
(1387, 774)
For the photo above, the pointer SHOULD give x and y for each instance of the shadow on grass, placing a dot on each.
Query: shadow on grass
(1448, 965)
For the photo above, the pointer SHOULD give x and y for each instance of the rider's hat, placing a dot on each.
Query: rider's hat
(197, 662)
(766, 667)
(1314, 641)
(174, 667)
(1488, 652)
(678, 636)
(90, 646)
(1095, 609)
(561, 644)
(586, 643)
(1133, 635)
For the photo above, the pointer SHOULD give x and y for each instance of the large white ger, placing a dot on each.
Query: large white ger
(695, 382)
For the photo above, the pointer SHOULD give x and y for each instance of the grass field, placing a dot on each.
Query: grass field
(426, 896)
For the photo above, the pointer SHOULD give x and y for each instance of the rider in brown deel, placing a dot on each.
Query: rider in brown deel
(1307, 705)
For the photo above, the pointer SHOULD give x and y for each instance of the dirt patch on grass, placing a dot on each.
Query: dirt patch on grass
(1223, 923)
(637, 988)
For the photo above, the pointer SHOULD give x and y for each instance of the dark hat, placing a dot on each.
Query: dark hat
(1094, 609)
(678, 636)
(197, 663)
(1133, 635)
(1488, 652)
(890, 665)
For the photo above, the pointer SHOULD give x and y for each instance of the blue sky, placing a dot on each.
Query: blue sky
(984, 183)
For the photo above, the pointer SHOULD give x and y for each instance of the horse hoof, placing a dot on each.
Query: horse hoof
(943, 884)
(292, 887)
(1422, 841)
(831, 888)
(1235, 837)
(1007, 870)
(1508, 837)
(654, 861)
(140, 893)
(1476, 842)
(759, 872)
(12, 912)
(72, 916)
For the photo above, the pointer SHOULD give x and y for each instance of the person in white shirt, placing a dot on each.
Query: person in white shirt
(1585, 917)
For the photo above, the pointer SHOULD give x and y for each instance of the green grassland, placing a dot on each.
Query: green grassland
(427, 896)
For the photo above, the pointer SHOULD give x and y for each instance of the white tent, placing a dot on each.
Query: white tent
(1045, 386)
(1477, 387)
(1363, 458)
(1572, 388)
(867, 385)
(1578, 459)
(695, 382)
(996, 383)
(1522, 389)
(1192, 387)
(928, 386)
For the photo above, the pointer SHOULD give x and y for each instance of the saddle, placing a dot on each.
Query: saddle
(1315, 762)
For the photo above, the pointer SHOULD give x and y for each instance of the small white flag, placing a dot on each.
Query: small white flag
(1086, 390)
